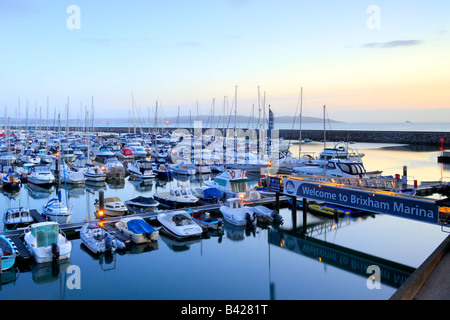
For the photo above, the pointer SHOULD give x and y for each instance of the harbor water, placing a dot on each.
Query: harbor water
(326, 260)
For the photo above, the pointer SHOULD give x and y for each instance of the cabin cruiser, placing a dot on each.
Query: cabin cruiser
(334, 168)
(40, 175)
(247, 161)
(233, 183)
(113, 206)
(176, 197)
(46, 242)
(94, 174)
(141, 170)
(16, 218)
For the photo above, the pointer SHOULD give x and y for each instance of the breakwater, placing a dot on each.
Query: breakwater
(401, 137)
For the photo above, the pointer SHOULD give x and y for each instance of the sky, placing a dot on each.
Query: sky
(367, 61)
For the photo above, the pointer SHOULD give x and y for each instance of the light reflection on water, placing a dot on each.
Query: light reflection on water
(327, 262)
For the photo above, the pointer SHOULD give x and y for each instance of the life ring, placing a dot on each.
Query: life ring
(233, 174)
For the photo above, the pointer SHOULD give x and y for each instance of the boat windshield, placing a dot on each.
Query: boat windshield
(46, 235)
(353, 168)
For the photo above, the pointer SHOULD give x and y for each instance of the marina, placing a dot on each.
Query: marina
(334, 248)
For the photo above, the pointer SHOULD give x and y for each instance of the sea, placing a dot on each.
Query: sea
(324, 260)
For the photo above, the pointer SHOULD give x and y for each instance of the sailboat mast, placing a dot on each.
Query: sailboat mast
(300, 116)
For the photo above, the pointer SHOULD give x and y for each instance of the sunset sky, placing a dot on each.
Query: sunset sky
(367, 61)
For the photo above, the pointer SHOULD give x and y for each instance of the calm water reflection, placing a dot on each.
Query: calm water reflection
(324, 260)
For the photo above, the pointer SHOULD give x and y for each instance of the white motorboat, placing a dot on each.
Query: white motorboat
(142, 204)
(46, 242)
(40, 175)
(29, 156)
(68, 174)
(56, 210)
(179, 224)
(138, 230)
(233, 184)
(177, 197)
(113, 207)
(98, 240)
(235, 212)
(94, 174)
(141, 170)
(16, 218)
(334, 168)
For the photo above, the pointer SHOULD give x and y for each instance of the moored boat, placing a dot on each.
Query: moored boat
(98, 240)
(176, 197)
(15, 218)
(8, 253)
(179, 224)
(142, 204)
(137, 229)
(56, 210)
(46, 242)
(236, 213)
(113, 206)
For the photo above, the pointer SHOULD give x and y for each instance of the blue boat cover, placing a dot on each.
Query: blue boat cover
(211, 193)
(140, 226)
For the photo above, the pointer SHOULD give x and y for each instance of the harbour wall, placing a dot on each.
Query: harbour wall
(429, 138)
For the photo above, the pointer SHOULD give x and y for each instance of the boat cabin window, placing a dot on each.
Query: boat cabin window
(177, 193)
(46, 235)
(354, 168)
(331, 165)
(183, 192)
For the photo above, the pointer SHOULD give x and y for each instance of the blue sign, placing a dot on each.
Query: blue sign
(275, 184)
(416, 209)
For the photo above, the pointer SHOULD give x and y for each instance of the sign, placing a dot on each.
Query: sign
(415, 209)
(275, 184)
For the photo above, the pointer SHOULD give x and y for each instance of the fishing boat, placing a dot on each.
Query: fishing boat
(7, 253)
(142, 204)
(11, 180)
(15, 218)
(141, 170)
(40, 175)
(234, 184)
(56, 210)
(138, 230)
(179, 196)
(179, 224)
(266, 215)
(98, 240)
(235, 212)
(46, 242)
(113, 206)
(205, 220)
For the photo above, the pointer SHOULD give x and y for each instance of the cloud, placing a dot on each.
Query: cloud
(393, 44)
